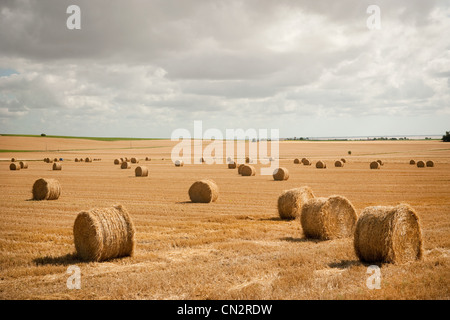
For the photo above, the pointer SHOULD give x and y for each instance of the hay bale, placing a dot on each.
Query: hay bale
(117, 161)
(389, 234)
(248, 170)
(248, 160)
(240, 168)
(338, 164)
(141, 171)
(81, 160)
(134, 160)
(147, 159)
(430, 163)
(46, 160)
(280, 174)
(14, 166)
(343, 160)
(55, 160)
(290, 202)
(23, 165)
(76, 160)
(321, 164)
(13, 159)
(232, 165)
(380, 162)
(204, 191)
(125, 165)
(296, 161)
(420, 164)
(328, 218)
(412, 162)
(46, 189)
(88, 159)
(57, 166)
(104, 233)
(179, 163)
(306, 162)
(375, 165)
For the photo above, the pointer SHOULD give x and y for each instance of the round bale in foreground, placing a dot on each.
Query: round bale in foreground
(280, 174)
(328, 218)
(104, 233)
(375, 165)
(290, 202)
(248, 170)
(14, 166)
(321, 165)
(388, 234)
(204, 191)
(46, 189)
(141, 171)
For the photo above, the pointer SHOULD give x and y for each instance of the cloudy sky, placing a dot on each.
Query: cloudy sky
(145, 68)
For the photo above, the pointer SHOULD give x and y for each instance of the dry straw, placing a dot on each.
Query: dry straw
(388, 234)
(290, 202)
(328, 218)
(232, 165)
(141, 171)
(321, 164)
(430, 163)
(57, 166)
(280, 174)
(104, 233)
(375, 165)
(125, 165)
(23, 165)
(179, 163)
(338, 164)
(420, 164)
(248, 170)
(134, 160)
(204, 191)
(14, 166)
(46, 189)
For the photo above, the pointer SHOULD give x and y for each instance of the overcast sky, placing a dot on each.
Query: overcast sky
(145, 68)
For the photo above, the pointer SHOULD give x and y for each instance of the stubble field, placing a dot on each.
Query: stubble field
(235, 248)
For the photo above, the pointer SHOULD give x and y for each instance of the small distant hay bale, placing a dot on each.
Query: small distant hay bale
(375, 165)
(306, 162)
(141, 171)
(321, 164)
(76, 160)
(412, 162)
(46, 189)
(23, 165)
(232, 165)
(104, 233)
(14, 166)
(57, 166)
(248, 170)
(338, 163)
(204, 191)
(55, 160)
(46, 160)
(117, 161)
(88, 159)
(290, 202)
(328, 218)
(280, 174)
(343, 160)
(122, 160)
(248, 160)
(296, 161)
(389, 234)
(420, 164)
(13, 159)
(147, 159)
(240, 168)
(134, 160)
(125, 165)
(380, 162)
(81, 160)
(430, 163)
(179, 163)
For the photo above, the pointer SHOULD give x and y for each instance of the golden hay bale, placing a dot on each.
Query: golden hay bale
(122, 160)
(204, 191)
(126, 159)
(125, 165)
(14, 166)
(81, 160)
(248, 170)
(147, 159)
(88, 159)
(388, 234)
(328, 218)
(321, 164)
(117, 161)
(13, 159)
(248, 160)
(104, 233)
(296, 161)
(338, 163)
(343, 160)
(280, 174)
(76, 160)
(375, 165)
(134, 160)
(380, 162)
(290, 202)
(306, 162)
(240, 168)
(412, 162)
(55, 160)
(23, 165)
(420, 164)
(141, 171)
(46, 189)
(179, 163)
(232, 165)
(430, 163)
(57, 166)
(46, 160)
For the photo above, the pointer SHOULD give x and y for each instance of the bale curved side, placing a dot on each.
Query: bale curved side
(46, 189)
(280, 174)
(290, 202)
(141, 171)
(248, 170)
(321, 164)
(203, 191)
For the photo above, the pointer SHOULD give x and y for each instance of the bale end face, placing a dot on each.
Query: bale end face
(338, 164)
(321, 165)
(430, 163)
(248, 170)
(203, 191)
(412, 162)
(46, 189)
(141, 171)
(375, 165)
(296, 161)
(420, 164)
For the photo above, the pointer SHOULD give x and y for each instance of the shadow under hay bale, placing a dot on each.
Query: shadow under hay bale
(46, 189)
(204, 191)
(290, 202)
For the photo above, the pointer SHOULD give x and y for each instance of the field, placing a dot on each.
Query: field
(235, 248)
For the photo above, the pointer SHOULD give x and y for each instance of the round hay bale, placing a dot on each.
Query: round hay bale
(81, 160)
(375, 165)
(280, 174)
(204, 191)
(380, 162)
(240, 168)
(389, 234)
(125, 165)
(430, 163)
(14, 166)
(46, 160)
(104, 233)
(46, 189)
(134, 160)
(343, 160)
(55, 160)
(88, 159)
(117, 161)
(248, 170)
(126, 159)
(328, 218)
(57, 166)
(147, 159)
(306, 162)
(232, 165)
(122, 160)
(179, 163)
(248, 160)
(321, 164)
(23, 165)
(338, 164)
(420, 164)
(290, 202)
(296, 161)
(76, 160)
(141, 171)
(412, 162)
(13, 159)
